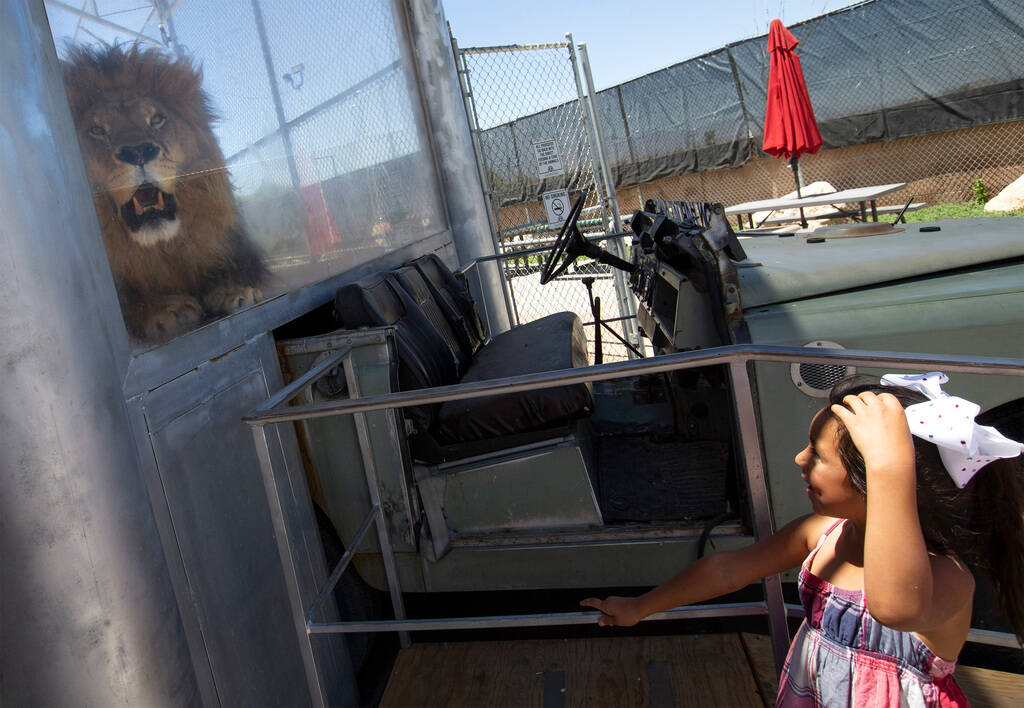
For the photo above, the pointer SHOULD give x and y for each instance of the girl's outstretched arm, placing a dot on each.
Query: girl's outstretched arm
(905, 586)
(717, 574)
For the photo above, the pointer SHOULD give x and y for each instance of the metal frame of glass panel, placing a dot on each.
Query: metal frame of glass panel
(739, 359)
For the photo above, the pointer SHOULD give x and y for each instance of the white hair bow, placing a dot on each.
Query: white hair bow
(948, 422)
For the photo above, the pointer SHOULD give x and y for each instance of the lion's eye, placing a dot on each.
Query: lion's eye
(157, 120)
(98, 131)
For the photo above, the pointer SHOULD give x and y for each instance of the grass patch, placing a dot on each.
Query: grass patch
(950, 210)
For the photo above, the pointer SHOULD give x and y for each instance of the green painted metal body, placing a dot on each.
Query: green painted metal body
(976, 312)
(537, 488)
(521, 518)
(530, 518)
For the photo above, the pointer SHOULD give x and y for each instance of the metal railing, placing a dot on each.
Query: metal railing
(739, 359)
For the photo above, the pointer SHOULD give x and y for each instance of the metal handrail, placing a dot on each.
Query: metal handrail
(737, 357)
(736, 353)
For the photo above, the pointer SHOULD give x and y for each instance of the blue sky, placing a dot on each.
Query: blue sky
(625, 38)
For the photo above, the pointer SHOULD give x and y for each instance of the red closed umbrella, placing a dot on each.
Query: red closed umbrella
(790, 129)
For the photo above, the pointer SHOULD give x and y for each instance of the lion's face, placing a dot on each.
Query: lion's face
(161, 188)
(144, 127)
(135, 151)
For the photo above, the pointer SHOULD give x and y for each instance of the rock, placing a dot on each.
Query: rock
(1011, 198)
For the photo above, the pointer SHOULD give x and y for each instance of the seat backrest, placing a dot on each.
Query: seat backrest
(424, 359)
(454, 301)
(410, 280)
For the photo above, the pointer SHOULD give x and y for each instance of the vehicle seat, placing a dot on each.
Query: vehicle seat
(423, 359)
(431, 353)
(552, 343)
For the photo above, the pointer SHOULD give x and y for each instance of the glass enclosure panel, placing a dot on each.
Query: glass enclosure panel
(241, 149)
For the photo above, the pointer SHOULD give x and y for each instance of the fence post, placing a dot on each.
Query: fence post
(442, 89)
(627, 306)
(743, 104)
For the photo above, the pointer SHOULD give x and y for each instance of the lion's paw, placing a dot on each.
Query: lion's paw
(228, 298)
(170, 316)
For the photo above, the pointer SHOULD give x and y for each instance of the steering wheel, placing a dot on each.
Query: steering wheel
(566, 246)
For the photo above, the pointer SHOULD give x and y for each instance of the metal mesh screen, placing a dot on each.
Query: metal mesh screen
(531, 135)
(324, 138)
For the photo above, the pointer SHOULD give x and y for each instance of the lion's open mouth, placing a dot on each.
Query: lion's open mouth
(149, 206)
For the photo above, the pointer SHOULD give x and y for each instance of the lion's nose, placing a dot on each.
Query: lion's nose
(137, 154)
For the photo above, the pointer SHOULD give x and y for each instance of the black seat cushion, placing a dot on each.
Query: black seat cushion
(552, 343)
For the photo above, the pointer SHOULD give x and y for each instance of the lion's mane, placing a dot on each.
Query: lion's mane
(144, 125)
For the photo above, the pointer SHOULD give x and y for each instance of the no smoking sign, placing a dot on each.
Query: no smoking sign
(556, 205)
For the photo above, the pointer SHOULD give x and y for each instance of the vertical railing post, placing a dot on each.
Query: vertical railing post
(284, 546)
(383, 535)
(757, 485)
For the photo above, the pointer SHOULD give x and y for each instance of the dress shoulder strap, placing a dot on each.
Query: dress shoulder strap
(821, 541)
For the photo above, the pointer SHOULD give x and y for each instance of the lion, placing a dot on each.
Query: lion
(174, 239)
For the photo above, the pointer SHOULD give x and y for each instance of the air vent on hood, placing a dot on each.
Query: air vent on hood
(817, 380)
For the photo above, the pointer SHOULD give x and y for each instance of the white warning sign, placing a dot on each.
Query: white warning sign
(549, 162)
(556, 204)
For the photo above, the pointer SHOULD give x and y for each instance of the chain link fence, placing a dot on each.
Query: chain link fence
(535, 162)
(927, 93)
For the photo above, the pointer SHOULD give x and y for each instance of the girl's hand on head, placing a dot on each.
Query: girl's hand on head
(878, 427)
(618, 611)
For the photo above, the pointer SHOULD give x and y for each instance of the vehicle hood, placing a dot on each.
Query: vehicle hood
(792, 268)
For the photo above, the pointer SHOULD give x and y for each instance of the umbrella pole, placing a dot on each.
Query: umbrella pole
(794, 162)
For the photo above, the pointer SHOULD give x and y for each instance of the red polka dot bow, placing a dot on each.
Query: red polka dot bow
(948, 422)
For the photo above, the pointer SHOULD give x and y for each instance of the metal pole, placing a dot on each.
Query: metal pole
(510, 293)
(611, 199)
(739, 358)
(313, 678)
(89, 614)
(760, 503)
(120, 29)
(627, 305)
(343, 563)
(383, 535)
(444, 105)
(551, 619)
(282, 122)
(581, 99)
(166, 24)
(652, 365)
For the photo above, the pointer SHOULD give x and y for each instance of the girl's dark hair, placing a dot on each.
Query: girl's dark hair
(982, 524)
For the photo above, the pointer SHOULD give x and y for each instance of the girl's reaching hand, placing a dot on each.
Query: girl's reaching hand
(618, 611)
(878, 428)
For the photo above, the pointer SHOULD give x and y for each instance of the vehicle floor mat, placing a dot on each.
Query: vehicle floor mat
(645, 480)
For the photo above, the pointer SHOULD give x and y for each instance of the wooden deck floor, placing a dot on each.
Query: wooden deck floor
(733, 670)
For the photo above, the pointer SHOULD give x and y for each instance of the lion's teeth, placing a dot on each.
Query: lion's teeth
(138, 207)
(160, 201)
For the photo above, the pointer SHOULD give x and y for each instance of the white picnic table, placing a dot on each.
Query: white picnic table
(863, 196)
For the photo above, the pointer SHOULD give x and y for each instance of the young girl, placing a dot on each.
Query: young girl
(898, 511)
